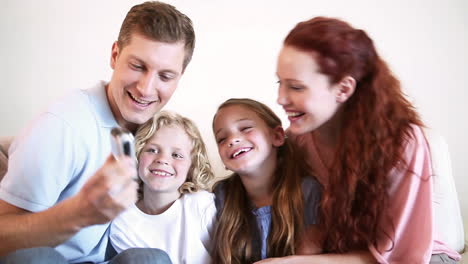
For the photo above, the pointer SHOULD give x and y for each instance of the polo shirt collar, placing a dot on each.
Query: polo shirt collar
(98, 98)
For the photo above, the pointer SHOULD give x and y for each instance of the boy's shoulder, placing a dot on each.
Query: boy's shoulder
(199, 198)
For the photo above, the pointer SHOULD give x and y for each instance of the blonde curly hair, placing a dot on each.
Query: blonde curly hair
(200, 175)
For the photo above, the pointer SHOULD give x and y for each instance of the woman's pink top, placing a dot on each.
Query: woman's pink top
(413, 237)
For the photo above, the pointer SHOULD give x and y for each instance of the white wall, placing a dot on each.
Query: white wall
(49, 47)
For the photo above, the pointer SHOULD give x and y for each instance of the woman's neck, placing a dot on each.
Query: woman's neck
(154, 203)
(326, 139)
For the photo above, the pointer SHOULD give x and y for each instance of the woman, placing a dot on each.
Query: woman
(364, 142)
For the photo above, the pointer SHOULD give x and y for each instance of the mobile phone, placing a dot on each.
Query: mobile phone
(122, 143)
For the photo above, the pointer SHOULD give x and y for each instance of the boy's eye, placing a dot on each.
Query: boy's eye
(152, 150)
(177, 156)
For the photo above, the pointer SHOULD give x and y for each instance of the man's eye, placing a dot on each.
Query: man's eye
(136, 66)
(166, 77)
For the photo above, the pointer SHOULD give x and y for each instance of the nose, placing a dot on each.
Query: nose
(162, 159)
(233, 141)
(147, 85)
(282, 96)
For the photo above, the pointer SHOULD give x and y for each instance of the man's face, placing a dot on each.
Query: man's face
(146, 74)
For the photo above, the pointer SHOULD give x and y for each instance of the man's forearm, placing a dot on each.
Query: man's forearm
(51, 227)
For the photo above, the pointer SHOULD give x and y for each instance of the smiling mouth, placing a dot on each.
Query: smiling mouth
(294, 114)
(161, 173)
(141, 102)
(240, 152)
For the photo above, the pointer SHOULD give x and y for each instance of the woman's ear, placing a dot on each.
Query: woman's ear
(345, 88)
(278, 136)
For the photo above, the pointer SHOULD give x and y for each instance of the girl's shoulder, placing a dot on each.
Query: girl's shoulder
(219, 189)
(310, 184)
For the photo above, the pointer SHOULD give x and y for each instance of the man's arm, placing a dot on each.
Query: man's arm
(101, 199)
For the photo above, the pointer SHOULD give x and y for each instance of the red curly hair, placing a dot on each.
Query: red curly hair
(376, 123)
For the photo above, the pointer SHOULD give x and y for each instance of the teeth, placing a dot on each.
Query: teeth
(240, 151)
(140, 101)
(293, 114)
(161, 173)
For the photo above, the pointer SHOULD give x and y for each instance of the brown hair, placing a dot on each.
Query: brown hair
(160, 22)
(376, 124)
(233, 235)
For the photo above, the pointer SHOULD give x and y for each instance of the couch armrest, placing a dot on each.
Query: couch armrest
(4, 146)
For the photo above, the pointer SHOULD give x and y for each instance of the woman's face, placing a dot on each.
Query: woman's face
(307, 96)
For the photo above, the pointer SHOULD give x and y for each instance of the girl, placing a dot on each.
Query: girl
(364, 143)
(174, 211)
(260, 206)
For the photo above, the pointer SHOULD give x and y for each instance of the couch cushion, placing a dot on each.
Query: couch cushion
(447, 216)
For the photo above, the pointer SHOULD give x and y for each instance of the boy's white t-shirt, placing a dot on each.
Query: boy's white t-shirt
(183, 231)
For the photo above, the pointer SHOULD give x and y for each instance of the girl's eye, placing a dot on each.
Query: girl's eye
(246, 129)
(220, 140)
(296, 88)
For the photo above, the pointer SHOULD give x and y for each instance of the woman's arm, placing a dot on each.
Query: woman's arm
(357, 257)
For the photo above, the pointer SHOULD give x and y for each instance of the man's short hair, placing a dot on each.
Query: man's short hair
(160, 22)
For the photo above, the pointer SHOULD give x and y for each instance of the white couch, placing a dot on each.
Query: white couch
(447, 210)
(447, 214)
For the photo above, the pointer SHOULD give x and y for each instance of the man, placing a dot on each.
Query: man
(62, 186)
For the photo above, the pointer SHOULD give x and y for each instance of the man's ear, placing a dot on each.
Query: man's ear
(278, 136)
(345, 89)
(114, 54)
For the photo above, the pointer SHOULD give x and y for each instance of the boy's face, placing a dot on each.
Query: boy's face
(146, 74)
(165, 160)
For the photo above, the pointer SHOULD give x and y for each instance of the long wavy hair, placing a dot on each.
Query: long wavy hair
(236, 223)
(200, 175)
(376, 125)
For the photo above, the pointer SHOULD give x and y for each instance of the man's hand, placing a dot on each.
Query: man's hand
(108, 192)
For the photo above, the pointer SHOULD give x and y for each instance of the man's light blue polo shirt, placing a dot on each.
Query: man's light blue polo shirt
(54, 157)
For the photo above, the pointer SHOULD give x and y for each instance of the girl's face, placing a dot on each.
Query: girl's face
(165, 160)
(245, 142)
(306, 95)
